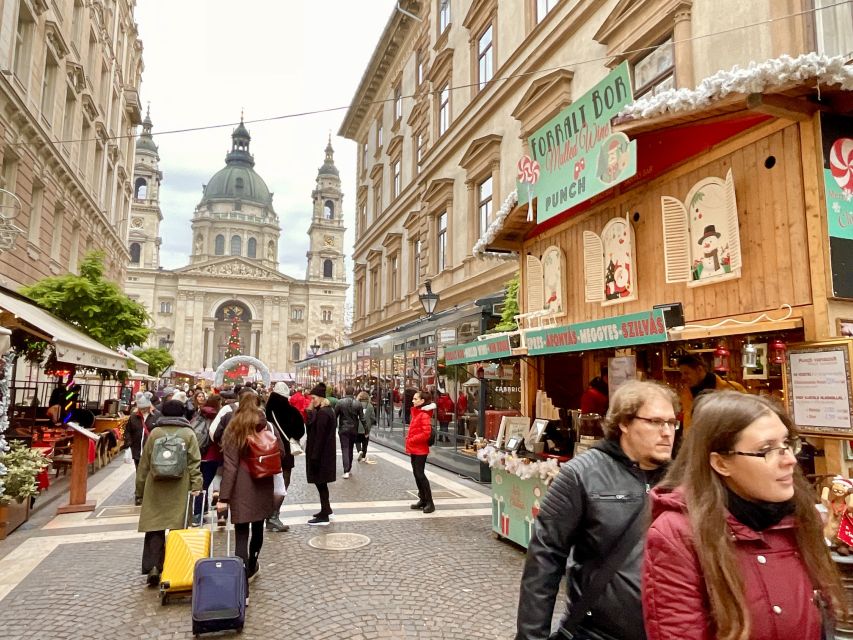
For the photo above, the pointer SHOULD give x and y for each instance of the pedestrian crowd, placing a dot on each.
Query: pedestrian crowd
(238, 445)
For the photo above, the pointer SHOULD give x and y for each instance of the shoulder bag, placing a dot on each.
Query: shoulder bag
(295, 447)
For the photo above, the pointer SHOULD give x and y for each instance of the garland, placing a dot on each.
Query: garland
(525, 468)
(508, 205)
(6, 362)
(756, 78)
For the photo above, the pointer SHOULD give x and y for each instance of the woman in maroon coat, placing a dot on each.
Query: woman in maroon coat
(736, 550)
(249, 499)
(417, 446)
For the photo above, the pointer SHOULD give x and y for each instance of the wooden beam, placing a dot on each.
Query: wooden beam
(781, 106)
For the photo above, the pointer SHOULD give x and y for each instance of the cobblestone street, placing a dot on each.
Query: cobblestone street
(421, 576)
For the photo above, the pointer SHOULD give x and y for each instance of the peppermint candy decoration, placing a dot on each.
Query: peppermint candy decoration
(841, 162)
(528, 170)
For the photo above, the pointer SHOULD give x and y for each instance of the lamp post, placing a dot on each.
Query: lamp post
(167, 342)
(429, 300)
(315, 348)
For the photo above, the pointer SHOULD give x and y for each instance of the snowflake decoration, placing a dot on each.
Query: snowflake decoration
(836, 208)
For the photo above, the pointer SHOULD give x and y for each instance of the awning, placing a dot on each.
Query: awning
(72, 345)
(140, 365)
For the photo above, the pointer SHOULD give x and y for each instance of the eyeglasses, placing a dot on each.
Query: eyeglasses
(794, 445)
(660, 423)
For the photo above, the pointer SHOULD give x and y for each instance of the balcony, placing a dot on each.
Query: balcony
(132, 106)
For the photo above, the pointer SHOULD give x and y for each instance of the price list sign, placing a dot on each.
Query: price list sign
(818, 379)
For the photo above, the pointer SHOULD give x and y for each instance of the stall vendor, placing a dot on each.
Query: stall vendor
(697, 378)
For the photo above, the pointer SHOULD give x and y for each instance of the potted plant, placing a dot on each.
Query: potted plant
(18, 483)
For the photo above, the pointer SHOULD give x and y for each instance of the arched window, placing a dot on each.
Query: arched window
(135, 252)
(238, 184)
(140, 188)
(252, 248)
(328, 269)
(329, 209)
(219, 247)
(294, 351)
(236, 246)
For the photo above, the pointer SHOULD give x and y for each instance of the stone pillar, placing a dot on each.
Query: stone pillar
(210, 355)
(253, 342)
(181, 337)
(197, 342)
(681, 34)
(268, 340)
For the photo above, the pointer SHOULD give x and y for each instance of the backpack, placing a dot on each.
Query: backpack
(432, 436)
(201, 428)
(169, 457)
(263, 458)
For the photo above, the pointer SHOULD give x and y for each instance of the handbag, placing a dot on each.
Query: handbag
(295, 447)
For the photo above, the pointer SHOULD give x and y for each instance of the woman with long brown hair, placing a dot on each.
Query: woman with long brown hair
(249, 499)
(736, 550)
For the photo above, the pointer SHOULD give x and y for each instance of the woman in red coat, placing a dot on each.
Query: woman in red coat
(417, 446)
(736, 549)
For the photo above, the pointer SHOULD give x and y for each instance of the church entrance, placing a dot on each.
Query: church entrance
(232, 333)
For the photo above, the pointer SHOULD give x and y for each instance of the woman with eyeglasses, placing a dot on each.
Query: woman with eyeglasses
(735, 550)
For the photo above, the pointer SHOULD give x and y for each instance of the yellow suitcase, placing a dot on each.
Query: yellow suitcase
(183, 548)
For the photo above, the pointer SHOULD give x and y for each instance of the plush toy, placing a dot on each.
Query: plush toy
(838, 500)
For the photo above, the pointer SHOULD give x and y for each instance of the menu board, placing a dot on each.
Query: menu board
(818, 379)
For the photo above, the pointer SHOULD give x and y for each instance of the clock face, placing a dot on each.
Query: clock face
(136, 223)
(329, 241)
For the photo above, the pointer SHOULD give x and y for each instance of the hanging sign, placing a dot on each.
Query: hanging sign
(478, 350)
(620, 331)
(576, 155)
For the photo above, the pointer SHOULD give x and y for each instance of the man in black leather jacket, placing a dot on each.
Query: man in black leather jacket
(585, 512)
(349, 413)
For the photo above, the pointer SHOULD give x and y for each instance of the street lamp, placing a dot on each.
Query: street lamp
(314, 348)
(167, 342)
(429, 300)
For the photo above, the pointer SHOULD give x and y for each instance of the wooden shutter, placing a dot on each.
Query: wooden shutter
(676, 239)
(733, 227)
(593, 267)
(534, 284)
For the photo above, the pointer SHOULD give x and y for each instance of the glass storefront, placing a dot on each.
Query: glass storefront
(392, 367)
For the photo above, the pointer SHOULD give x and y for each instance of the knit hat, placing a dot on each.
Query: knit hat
(173, 408)
(180, 396)
(168, 391)
(281, 389)
(319, 390)
(143, 400)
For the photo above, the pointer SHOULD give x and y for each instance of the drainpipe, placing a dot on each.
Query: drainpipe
(408, 13)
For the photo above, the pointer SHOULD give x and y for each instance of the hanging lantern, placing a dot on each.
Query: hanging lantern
(721, 359)
(749, 356)
(776, 351)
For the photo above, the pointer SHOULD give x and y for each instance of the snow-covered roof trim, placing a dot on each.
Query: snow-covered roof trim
(756, 78)
(508, 205)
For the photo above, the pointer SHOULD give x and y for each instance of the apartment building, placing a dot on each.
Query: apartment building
(454, 88)
(69, 100)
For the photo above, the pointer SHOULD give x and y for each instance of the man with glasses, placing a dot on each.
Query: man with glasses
(593, 513)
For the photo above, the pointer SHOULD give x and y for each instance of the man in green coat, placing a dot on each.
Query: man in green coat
(164, 500)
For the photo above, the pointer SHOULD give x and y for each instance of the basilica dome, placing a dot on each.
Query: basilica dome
(238, 180)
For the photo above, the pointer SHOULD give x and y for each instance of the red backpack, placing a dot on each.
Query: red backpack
(263, 458)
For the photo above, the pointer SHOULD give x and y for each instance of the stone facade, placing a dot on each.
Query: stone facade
(233, 267)
(69, 99)
(446, 104)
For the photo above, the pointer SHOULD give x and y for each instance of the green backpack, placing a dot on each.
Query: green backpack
(169, 457)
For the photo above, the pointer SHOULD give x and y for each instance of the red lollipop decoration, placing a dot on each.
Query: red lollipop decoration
(841, 162)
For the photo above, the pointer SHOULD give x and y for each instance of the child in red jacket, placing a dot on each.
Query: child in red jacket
(417, 446)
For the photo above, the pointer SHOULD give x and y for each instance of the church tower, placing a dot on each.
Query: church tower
(235, 216)
(326, 233)
(145, 215)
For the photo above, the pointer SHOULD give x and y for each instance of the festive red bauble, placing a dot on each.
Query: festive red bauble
(841, 162)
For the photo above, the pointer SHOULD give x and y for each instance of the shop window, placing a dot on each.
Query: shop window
(219, 245)
(135, 252)
(655, 72)
(252, 248)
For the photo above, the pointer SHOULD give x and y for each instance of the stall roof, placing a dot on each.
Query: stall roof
(141, 365)
(72, 345)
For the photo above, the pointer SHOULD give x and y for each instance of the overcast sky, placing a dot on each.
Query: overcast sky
(207, 59)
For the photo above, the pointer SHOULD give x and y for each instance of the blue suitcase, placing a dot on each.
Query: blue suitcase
(219, 591)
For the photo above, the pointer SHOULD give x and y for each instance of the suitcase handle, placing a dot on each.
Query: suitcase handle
(227, 532)
(187, 511)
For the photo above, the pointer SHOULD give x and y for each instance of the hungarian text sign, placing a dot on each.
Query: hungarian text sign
(577, 154)
(621, 331)
(480, 350)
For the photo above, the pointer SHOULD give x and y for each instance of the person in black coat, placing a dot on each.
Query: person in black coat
(140, 423)
(283, 415)
(320, 461)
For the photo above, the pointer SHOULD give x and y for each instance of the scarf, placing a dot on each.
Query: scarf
(757, 514)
